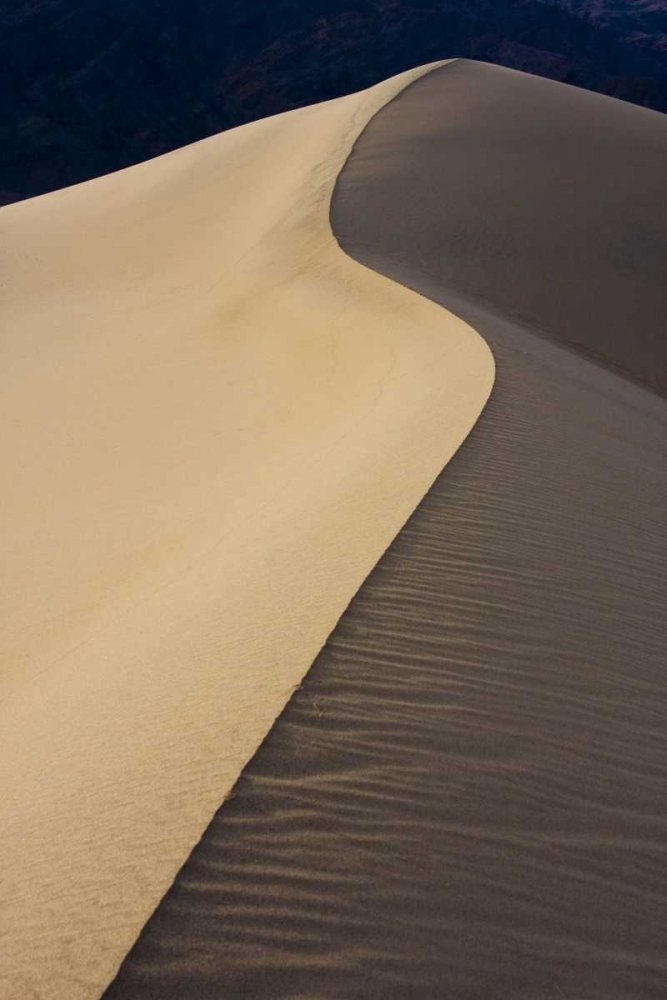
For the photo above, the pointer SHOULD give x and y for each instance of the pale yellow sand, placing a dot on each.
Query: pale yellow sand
(215, 422)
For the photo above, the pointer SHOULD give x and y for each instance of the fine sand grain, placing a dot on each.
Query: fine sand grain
(210, 416)
(467, 797)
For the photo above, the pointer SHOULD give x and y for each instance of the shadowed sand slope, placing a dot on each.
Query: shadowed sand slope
(210, 415)
(466, 799)
(551, 207)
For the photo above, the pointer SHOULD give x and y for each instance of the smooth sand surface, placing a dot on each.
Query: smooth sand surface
(467, 797)
(551, 208)
(210, 416)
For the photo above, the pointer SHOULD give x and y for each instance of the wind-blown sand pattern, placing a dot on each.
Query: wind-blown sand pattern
(217, 423)
(466, 799)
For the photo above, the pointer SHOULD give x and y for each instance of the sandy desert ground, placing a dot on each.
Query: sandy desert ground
(216, 422)
(467, 796)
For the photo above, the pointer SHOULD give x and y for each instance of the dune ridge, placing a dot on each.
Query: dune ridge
(466, 797)
(213, 413)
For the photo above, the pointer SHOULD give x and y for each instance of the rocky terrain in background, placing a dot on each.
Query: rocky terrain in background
(643, 22)
(89, 86)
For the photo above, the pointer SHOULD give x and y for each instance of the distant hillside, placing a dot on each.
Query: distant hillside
(89, 86)
(642, 22)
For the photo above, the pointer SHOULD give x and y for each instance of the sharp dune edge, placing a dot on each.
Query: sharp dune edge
(465, 799)
(212, 417)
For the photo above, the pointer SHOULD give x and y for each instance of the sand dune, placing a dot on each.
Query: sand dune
(212, 418)
(466, 797)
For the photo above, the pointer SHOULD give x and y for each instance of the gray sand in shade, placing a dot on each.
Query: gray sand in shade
(466, 798)
(546, 203)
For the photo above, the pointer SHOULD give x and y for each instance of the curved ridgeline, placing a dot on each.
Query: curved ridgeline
(466, 796)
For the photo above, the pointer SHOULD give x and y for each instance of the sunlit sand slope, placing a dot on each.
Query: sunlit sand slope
(215, 424)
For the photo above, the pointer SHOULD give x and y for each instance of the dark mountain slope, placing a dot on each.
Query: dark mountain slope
(88, 86)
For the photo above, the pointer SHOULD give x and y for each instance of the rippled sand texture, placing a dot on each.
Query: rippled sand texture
(211, 414)
(466, 798)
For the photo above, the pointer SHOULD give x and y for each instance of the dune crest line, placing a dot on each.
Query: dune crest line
(465, 798)
(219, 422)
